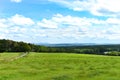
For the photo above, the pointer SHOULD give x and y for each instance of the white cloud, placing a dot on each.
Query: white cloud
(2, 36)
(96, 7)
(59, 21)
(21, 20)
(47, 24)
(13, 27)
(17, 1)
(84, 28)
(113, 21)
(3, 23)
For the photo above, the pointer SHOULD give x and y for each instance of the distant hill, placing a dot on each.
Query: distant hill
(66, 44)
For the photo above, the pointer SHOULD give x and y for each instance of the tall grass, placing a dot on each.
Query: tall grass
(52, 66)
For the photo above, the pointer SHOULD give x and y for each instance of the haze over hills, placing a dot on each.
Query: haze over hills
(71, 44)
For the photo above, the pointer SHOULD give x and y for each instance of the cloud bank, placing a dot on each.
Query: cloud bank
(59, 28)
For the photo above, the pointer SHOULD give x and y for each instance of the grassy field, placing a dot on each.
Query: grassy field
(44, 66)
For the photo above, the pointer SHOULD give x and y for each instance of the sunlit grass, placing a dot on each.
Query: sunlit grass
(53, 66)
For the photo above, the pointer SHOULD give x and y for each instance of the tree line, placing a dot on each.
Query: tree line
(14, 46)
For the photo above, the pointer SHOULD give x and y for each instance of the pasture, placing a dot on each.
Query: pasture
(59, 66)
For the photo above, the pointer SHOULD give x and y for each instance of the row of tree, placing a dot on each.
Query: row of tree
(13, 46)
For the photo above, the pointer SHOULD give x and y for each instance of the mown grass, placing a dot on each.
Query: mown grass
(53, 66)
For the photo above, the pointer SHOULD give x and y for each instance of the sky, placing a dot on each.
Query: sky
(60, 21)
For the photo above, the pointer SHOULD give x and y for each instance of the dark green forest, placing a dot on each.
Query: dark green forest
(14, 46)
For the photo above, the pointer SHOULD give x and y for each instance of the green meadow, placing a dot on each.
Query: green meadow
(55, 66)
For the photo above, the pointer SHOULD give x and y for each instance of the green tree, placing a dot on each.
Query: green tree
(24, 47)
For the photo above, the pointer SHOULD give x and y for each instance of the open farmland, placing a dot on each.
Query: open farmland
(54, 66)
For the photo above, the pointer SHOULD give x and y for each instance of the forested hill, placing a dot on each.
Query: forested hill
(13, 46)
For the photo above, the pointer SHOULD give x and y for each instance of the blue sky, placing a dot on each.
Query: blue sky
(60, 21)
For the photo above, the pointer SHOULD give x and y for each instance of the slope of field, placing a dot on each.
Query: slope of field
(52, 66)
